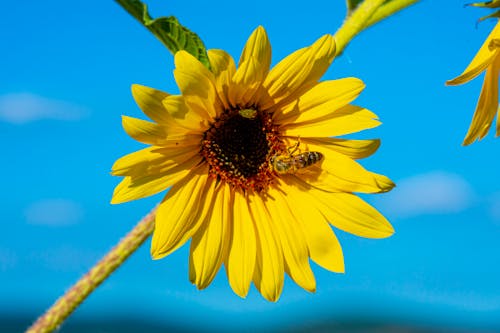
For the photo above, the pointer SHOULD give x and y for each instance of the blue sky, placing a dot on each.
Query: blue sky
(66, 72)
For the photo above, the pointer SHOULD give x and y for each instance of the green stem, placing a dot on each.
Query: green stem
(389, 9)
(65, 305)
(355, 23)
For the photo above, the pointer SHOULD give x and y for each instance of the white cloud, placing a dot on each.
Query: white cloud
(54, 212)
(435, 192)
(21, 108)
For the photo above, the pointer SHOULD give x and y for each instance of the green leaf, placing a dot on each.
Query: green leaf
(168, 30)
(487, 4)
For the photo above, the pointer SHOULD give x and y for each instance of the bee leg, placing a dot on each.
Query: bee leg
(294, 147)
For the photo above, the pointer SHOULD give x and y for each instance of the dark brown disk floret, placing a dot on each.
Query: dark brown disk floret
(238, 148)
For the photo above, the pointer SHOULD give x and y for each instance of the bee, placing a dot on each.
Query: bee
(248, 113)
(290, 163)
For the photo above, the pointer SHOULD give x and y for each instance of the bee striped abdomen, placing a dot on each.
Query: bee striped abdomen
(308, 158)
(289, 164)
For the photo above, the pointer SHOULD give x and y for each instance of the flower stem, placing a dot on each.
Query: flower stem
(389, 9)
(65, 305)
(355, 23)
(368, 13)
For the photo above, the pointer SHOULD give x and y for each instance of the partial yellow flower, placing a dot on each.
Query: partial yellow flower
(487, 59)
(487, 4)
(255, 174)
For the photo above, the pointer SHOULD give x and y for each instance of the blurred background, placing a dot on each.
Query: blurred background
(65, 74)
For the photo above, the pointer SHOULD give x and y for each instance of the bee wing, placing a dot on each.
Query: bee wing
(311, 172)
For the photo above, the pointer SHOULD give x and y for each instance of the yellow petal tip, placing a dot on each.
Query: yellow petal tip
(388, 231)
(156, 255)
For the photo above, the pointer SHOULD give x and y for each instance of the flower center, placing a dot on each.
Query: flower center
(238, 147)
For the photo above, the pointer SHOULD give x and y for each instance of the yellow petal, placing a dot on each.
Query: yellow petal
(324, 247)
(221, 62)
(346, 120)
(150, 102)
(197, 85)
(498, 122)
(168, 111)
(321, 100)
(223, 68)
(240, 263)
(485, 56)
(182, 212)
(351, 214)
(252, 69)
(487, 106)
(355, 149)
(126, 164)
(298, 71)
(143, 131)
(486, 4)
(366, 182)
(245, 83)
(292, 238)
(181, 119)
(269, 269)
(258, 47)
(209, 245)
(141, 186)
(337, 172)
(152, 160)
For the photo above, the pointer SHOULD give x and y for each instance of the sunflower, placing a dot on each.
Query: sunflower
(255, 175)
(487, 59)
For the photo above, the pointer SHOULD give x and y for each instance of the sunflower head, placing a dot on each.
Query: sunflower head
(256, 172)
